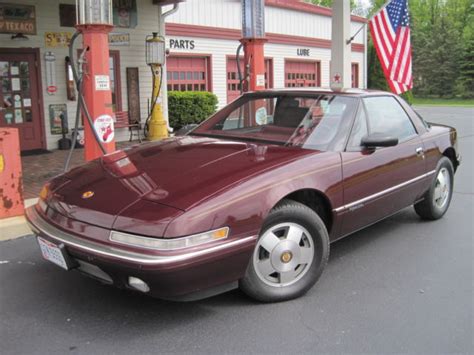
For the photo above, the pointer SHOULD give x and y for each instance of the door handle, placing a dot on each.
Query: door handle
(419, 151)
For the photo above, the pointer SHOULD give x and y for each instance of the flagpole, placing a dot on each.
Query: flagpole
(355, 34)
(379, 10)
(368, 20)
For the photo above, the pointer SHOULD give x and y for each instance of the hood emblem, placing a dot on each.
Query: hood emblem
(87, 194)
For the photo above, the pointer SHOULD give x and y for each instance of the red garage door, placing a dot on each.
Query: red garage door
(233, 85)
(355, 75)
(302, 73)
(188, 73)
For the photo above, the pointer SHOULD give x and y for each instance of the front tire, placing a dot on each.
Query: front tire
(437, 199)
(290, 256)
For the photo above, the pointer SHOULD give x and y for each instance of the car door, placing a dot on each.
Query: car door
(379, 182)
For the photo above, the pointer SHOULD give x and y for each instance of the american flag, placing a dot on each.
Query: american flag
(390, 30)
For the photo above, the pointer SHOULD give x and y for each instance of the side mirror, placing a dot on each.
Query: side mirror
(378, 140)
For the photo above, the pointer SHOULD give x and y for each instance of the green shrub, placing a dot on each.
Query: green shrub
(408, 97)
(186, 107)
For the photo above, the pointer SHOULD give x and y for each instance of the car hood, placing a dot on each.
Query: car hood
(172, 176)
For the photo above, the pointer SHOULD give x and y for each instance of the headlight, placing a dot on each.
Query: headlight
(169, 244)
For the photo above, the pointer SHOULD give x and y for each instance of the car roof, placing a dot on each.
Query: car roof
(322, 90)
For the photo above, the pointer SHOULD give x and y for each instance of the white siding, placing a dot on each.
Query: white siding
(212, 13)
(228, 14)
(220, 49)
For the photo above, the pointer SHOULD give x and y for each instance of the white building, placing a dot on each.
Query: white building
(202, 36)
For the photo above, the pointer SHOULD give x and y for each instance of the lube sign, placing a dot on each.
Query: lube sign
(303, 52)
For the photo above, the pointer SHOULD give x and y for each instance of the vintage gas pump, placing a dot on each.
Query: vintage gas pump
(155, 58)
(253, 40)
(95, 21)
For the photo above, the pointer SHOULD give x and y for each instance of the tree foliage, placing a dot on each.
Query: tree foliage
(442, 35)
(355, 7)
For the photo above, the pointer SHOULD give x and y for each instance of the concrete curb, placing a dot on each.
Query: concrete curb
(16, 227)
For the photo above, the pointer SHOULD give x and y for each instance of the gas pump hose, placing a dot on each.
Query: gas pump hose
(239, 71)
(81, 105)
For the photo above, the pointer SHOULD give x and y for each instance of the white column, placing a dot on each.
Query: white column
(340, 70)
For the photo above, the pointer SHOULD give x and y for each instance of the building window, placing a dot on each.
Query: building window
(188, 73)
(355, 75)
(115, 82)
(302, 73)
(233, 84)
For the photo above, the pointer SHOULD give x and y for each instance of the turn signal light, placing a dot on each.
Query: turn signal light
(168, 244)
(43, 195)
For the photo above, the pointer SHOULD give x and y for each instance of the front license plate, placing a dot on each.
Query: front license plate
(53, 253)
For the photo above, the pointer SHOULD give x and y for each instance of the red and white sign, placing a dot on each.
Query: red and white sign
(51, 89)
(104, 126)
(102, 82)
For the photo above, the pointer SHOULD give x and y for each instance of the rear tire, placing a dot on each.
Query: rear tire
(437, 199)
(290, 256)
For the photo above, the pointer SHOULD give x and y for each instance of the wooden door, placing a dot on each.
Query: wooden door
(20, 104)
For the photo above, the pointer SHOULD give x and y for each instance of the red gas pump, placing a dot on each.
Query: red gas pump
(95, 21)
(253, 41)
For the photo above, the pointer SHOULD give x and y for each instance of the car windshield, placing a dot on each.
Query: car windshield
(285, 119)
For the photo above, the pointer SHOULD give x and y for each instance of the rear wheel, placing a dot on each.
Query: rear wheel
(437, 199)
(290, 254)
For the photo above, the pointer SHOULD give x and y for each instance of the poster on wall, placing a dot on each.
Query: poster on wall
(125, 13)
(57, 39)
(133, 94)
(16, 18)
(56, 114)
(119, 39)
(67, 15)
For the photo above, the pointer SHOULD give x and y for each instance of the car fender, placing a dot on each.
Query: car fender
(244, 207)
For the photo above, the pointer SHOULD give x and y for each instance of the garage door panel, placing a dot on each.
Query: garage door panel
(233, 83)
(188, 73)
(302, 73)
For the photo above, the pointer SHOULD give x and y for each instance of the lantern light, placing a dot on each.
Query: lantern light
(155, 50)
(94, 12)
(253, 18)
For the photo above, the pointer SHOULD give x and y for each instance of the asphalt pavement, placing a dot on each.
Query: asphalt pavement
(400, 286)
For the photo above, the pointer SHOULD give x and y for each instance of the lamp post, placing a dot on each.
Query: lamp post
(94, 21)
(155, 58)
(253, 40)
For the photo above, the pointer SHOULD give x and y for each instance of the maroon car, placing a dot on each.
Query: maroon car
(251, 198)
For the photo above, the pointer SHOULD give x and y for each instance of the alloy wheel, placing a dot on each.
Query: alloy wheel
(283, 254)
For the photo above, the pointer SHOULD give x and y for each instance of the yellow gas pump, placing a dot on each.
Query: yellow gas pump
(155, 58)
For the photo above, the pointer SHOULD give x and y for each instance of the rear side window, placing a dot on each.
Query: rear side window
(385, 115)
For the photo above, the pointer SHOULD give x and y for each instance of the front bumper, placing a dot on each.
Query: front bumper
(173, 276)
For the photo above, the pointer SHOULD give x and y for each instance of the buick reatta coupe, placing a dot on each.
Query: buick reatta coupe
(251, 198)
